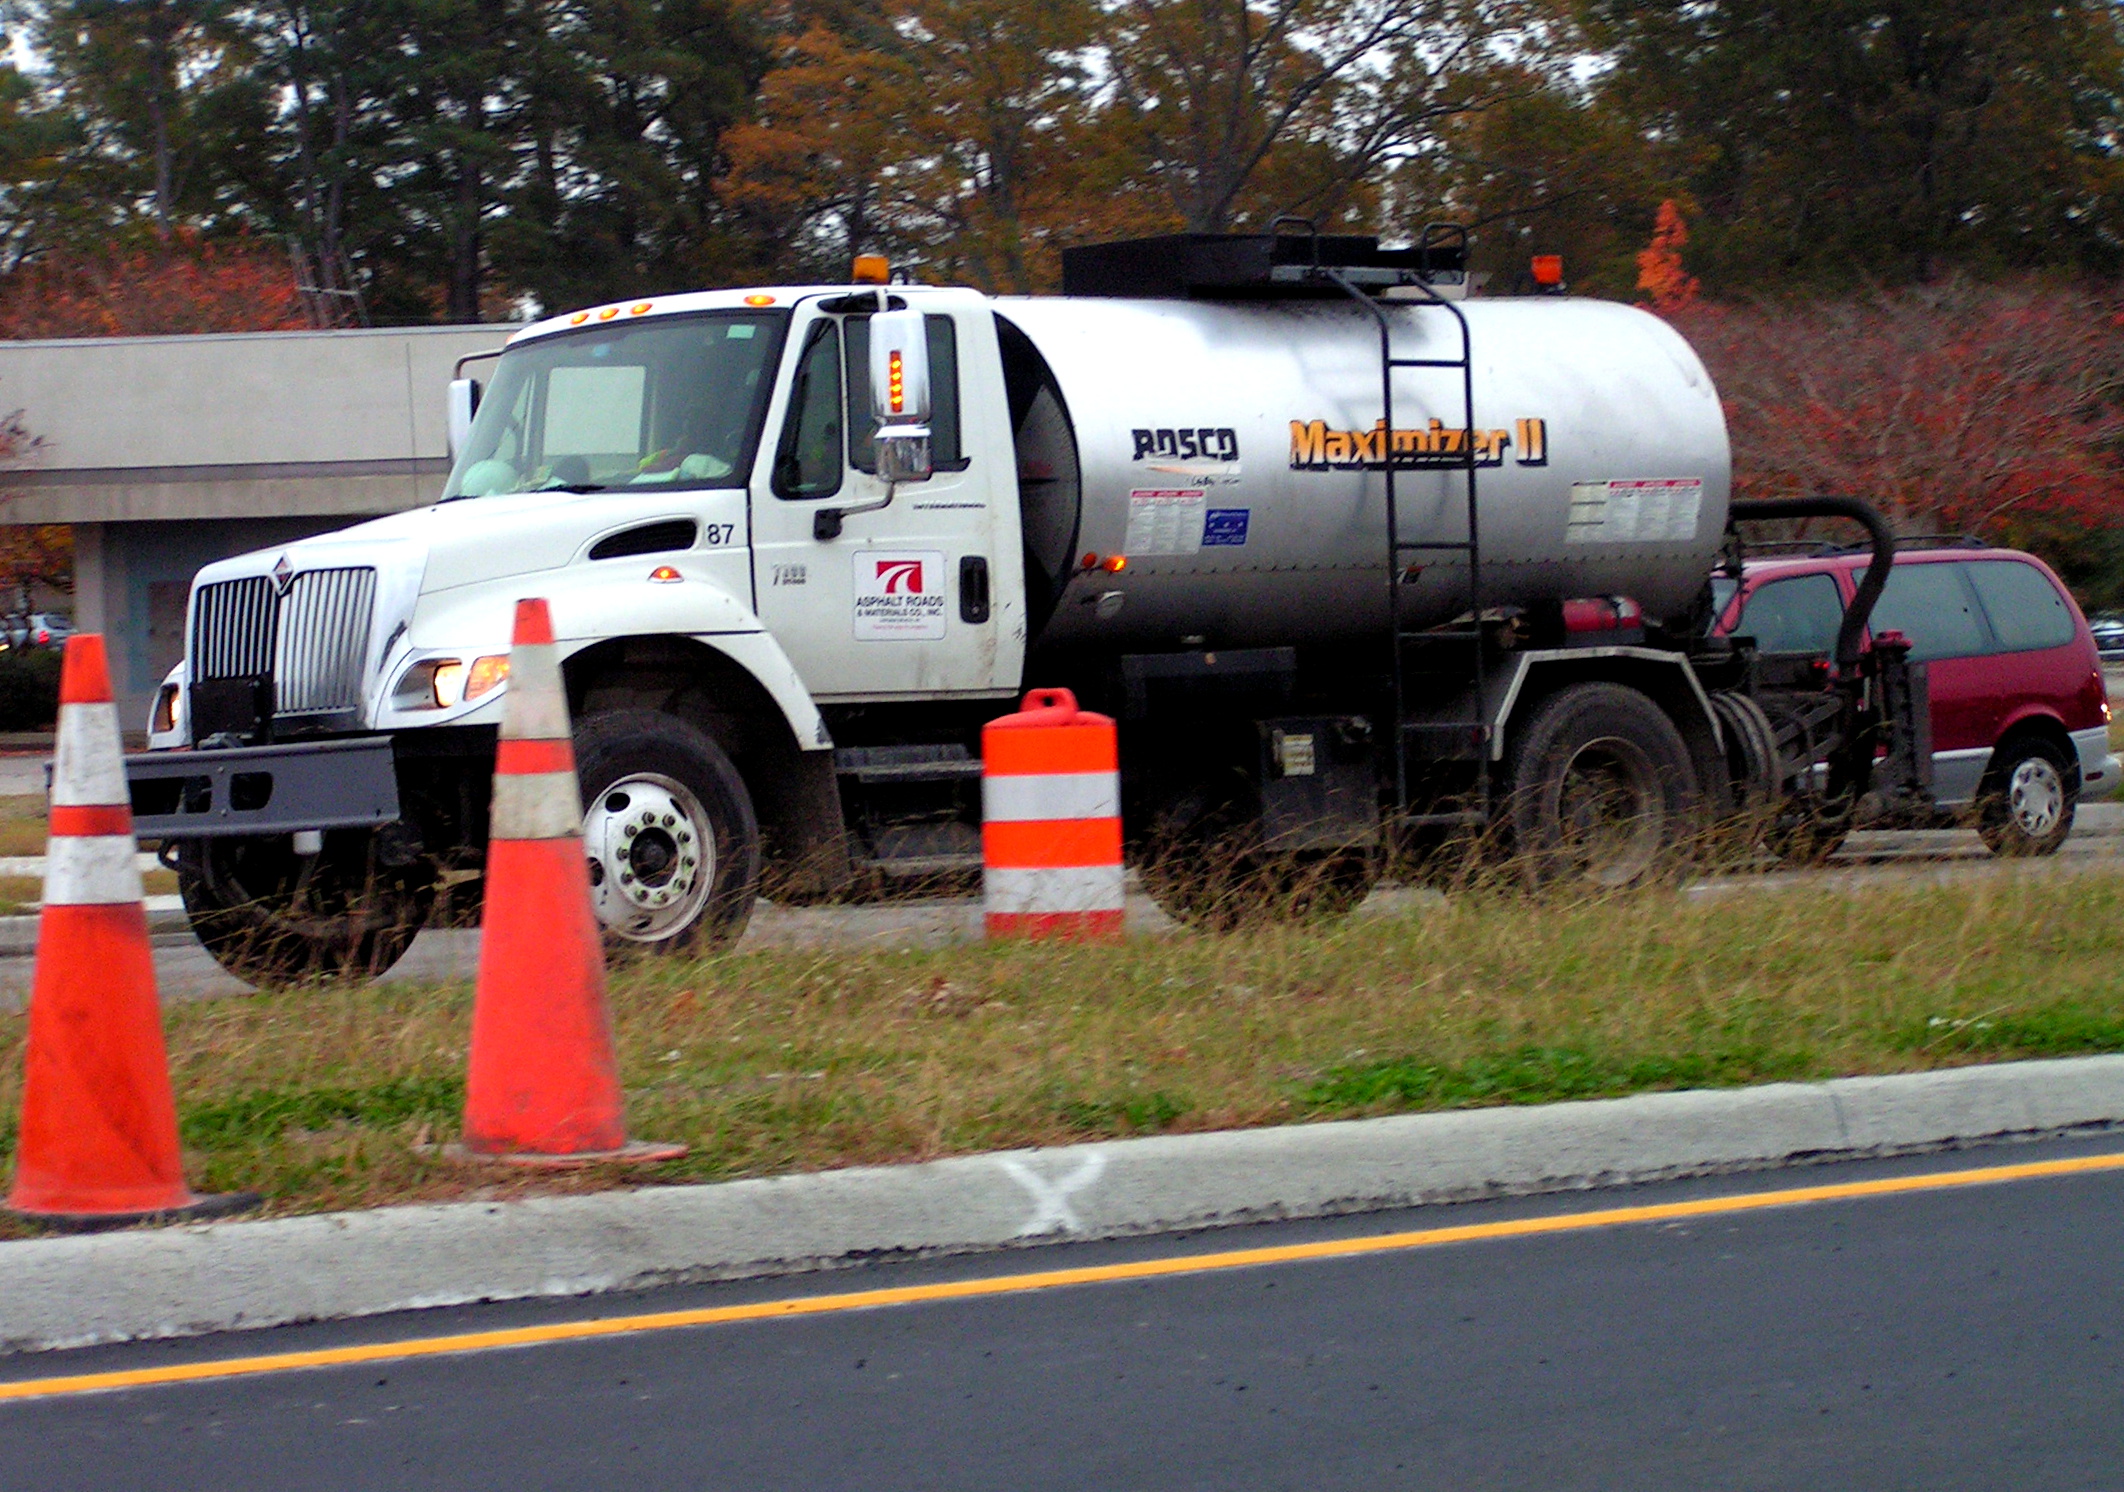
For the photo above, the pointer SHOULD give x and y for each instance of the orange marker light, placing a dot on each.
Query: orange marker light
(578, 318)
(896, 382)
(639, 306)
(759, 300)
(1089, 562)
(1548, 270)
(665, 575)
(872, 269)
(1115, 564)
(486, 674)
(608, 313)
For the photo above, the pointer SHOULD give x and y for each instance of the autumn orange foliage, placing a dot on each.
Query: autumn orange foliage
(1659, 263)
(1956, 407)
(188, 283)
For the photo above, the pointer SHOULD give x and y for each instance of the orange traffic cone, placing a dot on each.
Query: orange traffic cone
(544, 1083)
(98, 1146)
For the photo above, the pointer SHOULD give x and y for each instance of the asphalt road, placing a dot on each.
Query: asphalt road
(1962, 1338)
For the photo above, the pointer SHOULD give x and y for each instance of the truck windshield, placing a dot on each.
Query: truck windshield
(669, 402)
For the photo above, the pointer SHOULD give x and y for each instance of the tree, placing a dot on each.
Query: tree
(187, 284)
(156, 86)
(1244, 110)
(1842, 142)
(1957, 406)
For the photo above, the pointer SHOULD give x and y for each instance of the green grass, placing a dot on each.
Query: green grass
(790, 1060)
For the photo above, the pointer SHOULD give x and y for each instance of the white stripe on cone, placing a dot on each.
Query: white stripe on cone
(91, 870)
(88, 768)
(1057, 795)
(536, 805)
(1064, 888)
(537, 706)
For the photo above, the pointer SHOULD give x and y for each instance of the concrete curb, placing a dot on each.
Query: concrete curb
(62, 1292)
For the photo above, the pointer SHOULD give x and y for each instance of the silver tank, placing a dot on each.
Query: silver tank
(1230, 450)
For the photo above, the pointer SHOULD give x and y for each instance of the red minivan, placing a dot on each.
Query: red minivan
(2020, 716)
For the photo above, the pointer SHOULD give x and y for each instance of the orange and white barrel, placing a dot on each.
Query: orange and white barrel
(1051, 821)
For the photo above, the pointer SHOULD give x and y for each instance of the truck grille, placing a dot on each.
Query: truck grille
(232, 630)
(324, 641)
(312, 641)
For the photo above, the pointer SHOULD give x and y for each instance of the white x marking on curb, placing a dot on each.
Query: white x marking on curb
(1051, 1210)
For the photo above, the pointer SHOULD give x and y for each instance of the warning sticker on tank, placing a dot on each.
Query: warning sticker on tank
(899, 597)
(1641, 510)
(1165, 520)
(1225, 526)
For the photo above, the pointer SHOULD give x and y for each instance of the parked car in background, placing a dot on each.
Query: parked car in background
(2020, 714)
(2108, 629)
(37, 629)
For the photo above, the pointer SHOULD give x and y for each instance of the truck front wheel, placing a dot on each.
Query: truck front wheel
(1602, 788)
(669, 828)
(272, 917)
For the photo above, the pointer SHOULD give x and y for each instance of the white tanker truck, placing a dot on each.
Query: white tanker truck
(1358, 562)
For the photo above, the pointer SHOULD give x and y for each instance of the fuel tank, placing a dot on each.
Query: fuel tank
(1234, 453)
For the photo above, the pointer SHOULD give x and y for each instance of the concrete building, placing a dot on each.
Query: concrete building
(167, 453)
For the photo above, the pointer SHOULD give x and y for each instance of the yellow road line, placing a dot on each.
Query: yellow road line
(1018, 1284)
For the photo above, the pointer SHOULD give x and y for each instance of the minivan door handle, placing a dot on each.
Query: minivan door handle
(973, 589)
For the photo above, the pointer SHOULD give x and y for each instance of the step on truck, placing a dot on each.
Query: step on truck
(1361, 563)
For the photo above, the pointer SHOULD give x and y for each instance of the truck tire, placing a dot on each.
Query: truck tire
(1602, 789)
(2026, 804)
(669, 828)
(274, 918)
(1205, 866)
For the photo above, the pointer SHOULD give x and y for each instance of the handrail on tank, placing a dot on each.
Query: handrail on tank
(1859, 511)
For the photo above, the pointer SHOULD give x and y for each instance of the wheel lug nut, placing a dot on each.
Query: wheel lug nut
(669, 820)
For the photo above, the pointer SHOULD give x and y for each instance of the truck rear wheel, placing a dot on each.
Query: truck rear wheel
(669, 829)
(1602, 789)
(272, 917)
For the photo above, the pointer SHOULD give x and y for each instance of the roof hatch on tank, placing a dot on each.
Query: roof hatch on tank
(1200, 266)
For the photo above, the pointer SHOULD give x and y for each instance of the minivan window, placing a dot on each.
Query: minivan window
(1799, 614)
(2024, 608)
(1932, 606)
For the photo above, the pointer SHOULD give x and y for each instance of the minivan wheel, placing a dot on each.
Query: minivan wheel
(2026, 806)
(669, 829)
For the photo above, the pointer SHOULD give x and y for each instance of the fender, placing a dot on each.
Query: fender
(585, 609)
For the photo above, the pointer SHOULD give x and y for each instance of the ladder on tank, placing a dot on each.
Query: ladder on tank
(1454, 736)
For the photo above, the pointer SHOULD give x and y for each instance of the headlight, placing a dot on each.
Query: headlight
(439, 683)
(163, 720)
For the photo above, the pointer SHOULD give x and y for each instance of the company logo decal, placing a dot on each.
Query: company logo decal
(283, 575)
(903, 577)
(1201, 443)
(899, 596)
(1317, 447)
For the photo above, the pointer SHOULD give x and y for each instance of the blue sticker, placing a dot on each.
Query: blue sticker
(1224, 526)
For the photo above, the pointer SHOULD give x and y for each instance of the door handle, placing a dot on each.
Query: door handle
(973, 589)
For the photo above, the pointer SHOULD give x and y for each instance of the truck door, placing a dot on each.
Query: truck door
(906, 599)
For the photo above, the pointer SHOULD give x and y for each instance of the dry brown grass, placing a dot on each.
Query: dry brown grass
(22, 820)
(781, 1061)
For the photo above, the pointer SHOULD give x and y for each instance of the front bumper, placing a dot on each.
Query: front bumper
(254, 790)
(2100, 771)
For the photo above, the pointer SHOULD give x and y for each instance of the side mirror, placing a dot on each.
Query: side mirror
(461, 403)
(899, 392)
